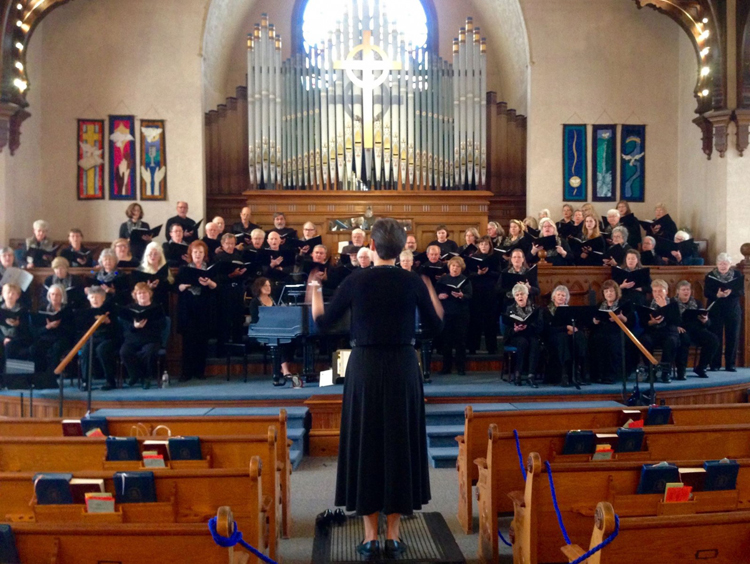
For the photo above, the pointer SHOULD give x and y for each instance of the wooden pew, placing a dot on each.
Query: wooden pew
(473, 443)
(184, 426)
(715, 537)
(73, 454)
(185, 496)
(500, 473)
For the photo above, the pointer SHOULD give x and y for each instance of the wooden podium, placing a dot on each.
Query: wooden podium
(424, 210)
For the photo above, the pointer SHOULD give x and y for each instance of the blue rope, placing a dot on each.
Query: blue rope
(502, 538)
(601, 545)
(520, 456)
(234, 539)
(554, 502)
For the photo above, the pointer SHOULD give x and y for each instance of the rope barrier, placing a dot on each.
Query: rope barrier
(601, 545)
(520, 456)
(235, 539)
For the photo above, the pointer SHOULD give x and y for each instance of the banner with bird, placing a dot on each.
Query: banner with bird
(121, 157)
(153, 160)
(90, 171)
(633, 163)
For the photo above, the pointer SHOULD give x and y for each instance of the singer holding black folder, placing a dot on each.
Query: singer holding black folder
(522, 328)
(724, 287)
(558, 250)
(660, 321)
(135, 221)
(455, 292)
(483, 271)
(693, 329)
(144, 323)
(195, 311)
(382, 466)
(605, 340)
(566, 341)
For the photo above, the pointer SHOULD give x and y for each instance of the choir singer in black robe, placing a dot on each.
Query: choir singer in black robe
(382, 464)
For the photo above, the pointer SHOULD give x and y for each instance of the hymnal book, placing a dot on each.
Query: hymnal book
(630, 439)
(123, 448)
(8, 551)
(514, 319)
(18, 276)
(138, 233)
(579, 442)
(694, 477)
(40, 255)
(134, 487)
(99, 503)
(447, 288)
(468, 251)
(151, 459)
(139, 313)
(616, 252)
(185, 448)
(630, 424)
(192, 276)
(193, 229)
(79, 487)
(578, 316)
(713, 284)
(603, 314)
(286, 233)
(665, 247)
(7, 314)
(595, 245)
(533, 232)
(649, 224)
(92, 422)
(160, 446)
(449, 255)
(140, 276)
(654, 478)
(434, 269)
(300, 243)
(658, 415)
(676, 492)
(670, 313)
(95, 432)
(641, 276)
(690, 315)
(510, 279)
(267, 255)
(175, 249)
(41, 318)
(603, 452)
(547, 243)
(721, 475)
(72, 428)
(53, 488)
(565, 229)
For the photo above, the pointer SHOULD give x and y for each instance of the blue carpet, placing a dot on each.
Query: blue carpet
(476, 384)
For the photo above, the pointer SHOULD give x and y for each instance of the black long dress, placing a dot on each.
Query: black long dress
(383, 442)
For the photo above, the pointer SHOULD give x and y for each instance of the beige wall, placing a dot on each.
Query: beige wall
(92, 58)
(601, 62)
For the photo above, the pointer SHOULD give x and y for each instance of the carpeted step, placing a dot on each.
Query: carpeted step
(443, 457)
(295, 457)
(443, 435)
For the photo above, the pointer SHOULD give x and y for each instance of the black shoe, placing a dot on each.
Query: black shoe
(713, 369)
(339, 517)
(279, 380)
(146, 384)
(324, 519)
(132, 382)
(700, 372)
(369, 549)
(665, 379)
(532, 381)
(730, 369)
(394, 548)
(681, 375)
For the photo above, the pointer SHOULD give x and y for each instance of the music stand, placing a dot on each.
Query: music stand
(576, 317)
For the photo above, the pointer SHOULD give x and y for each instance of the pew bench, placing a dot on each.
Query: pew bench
(473, 443)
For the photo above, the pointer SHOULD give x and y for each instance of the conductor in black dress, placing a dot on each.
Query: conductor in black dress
(382, 465)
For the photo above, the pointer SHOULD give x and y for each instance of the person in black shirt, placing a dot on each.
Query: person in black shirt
(592, 241)
(143, 338)
(175, 250)
(648, 252)
(605, 339)
(693, 329)
(664, 225)
(483, 271)
(109, 278)
(455, 292)
(382, 463)
(434, 267)
(364, 258)
(726, 313)
(53, 338)
(105, 339)
(523, 335)
(14, 326)
(135, 221)
(212, 241)
(630, 222)
(616, 252)
(231, 292)
(635, 294)
(77, 254)
(495, 232)
(660, 331)
(279, 226)
(689, 251)
(39, 249)
(577, 225)
(153, 263)
(446, 245)
(245, 227)
(261, 292)
(565, 342)
(560, 255)
(61, 275)
(125, 258)
(406, 260)
(190, 233)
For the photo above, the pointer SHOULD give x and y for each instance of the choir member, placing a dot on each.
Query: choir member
(278, 268)
(77, 254)
(160, 279)
(55, 330)
(518, 272)
(134, 212)
(495, 232)
(634, 291)
(74, 292)
(616, 252)
(125, 258)
(309, 233)
(606, 340)
(318, 268)
(231, 293)
(648, 252)
(358, 238)
(344, 267)
(471, 237)
(565, 342)
(39, 249)
(212, 241)
(687, 252)
(411, 245)
(279, 226)
(577, 227)
(175, 250)
(630, 222)
(195, 312)
(252, 251)
(14, 326)
(663, 225)
(455, 292)
(433, 267)
(522, 329)
(143, 336)
(105, 339)
(660, 330)
(114, 283)
(560, 255)
(484, 270)
(531, 225)
(261, 291)
(516, 238)
(219, 222)
(446, 245)
(591, 250)
(406, 260)
(589, 209)
(544, 213)
(724, 286)
(613, 220)
(7, 259)
(566, 227)
(693, 330)
(190, 231)
(364, 258)
(244, 227)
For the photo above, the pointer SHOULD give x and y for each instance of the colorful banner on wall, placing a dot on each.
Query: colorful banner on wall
(153, 160)
(604, 163)
(633, 163)
(574, 163)
(90, 160)
(122, 158)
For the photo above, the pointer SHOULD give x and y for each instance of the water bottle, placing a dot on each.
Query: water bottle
(165, 379)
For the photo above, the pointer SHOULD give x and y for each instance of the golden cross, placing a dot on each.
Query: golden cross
(90, 135)
(369, 65)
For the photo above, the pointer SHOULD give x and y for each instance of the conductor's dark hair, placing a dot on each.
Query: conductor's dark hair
(389, 237)
(258, 286)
